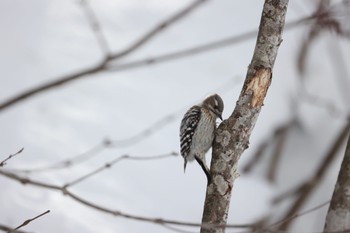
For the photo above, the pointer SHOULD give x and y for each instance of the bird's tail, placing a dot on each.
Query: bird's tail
(185, 163)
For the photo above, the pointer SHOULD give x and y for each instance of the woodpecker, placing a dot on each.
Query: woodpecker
(197, 130)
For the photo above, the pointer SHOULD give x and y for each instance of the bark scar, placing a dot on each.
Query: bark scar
(259, 84)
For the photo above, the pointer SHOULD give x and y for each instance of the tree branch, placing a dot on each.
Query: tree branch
(233, 134)
(3, 163)
(102, 64)
(117, 160)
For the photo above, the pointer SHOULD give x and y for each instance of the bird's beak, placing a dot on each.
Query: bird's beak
(219, 115)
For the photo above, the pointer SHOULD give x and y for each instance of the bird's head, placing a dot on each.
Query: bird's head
(215, 105)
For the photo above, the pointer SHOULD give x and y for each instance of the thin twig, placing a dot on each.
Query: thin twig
(280, 138)
(257, 156)
(26, 222)
(116, 160)
(96, 27)
(3, 163)
(67, 163)
(311, 36)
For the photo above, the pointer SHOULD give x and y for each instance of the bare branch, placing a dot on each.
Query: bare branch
(51, 84)
(26, 222)
(257, 156)
(312, 35)
(3, 163)
(116, 160)
(102, 64)
(67, 163)
(280, 141)
(95, 26)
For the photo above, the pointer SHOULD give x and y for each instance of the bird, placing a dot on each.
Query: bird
(197, 130)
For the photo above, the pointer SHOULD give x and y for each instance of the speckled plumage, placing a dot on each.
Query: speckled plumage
(197, 130)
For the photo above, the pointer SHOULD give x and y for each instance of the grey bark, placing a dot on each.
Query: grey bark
(338, 216)
(233, 134)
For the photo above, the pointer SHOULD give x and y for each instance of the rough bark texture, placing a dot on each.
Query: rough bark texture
(233, 134)
(338, 217)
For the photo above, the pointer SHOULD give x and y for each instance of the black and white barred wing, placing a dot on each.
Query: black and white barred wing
(187, 129)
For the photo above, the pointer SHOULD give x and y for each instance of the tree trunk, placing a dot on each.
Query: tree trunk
(338, 216)
(233, 134)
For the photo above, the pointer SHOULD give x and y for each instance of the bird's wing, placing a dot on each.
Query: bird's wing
(189, 124)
